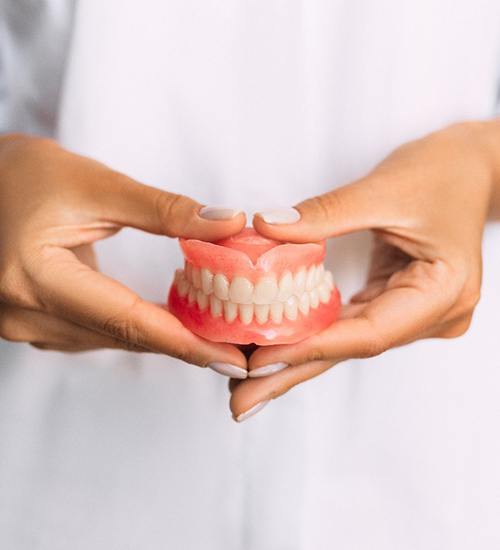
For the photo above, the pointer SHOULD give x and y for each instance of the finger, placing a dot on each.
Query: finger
(414, 302)
(72, 291)
(47, 332)
(126, 202)
(344, 210)
(249, 393)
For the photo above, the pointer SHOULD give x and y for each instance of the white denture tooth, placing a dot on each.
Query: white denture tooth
(192, 294)
(299, 281)
(290, 308)
(285, 286)
(230, 311)
(201, 299)
(246, 313)
(207, 278)
(261, 313)
(314, 298)
(215, 306)
(276, 312)
(188, 269)
(324, 293)
(196, 277)
(183, 287)
(320, 271)
(241, 290)
(304, 303)
(310, 278)
(328, 279)
(221, 286)
(265, 291)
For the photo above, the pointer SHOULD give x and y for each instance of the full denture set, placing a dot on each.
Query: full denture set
(250, 289)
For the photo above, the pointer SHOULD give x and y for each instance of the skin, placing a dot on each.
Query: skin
(53, 206)
(426, 204)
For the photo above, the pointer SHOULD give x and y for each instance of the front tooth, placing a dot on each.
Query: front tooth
(304, 303)
(183, 287)
(201, 299)
(291, 308)
(230, 311)
(188, 268)
(265, 290)
(299, 281)
(285, 286)
(207, 278)
(320, 270)
(221, 287)
(324, 293)
(311, 276)
(215, 306)
(262, 313)
(196, 277)
(246, 313)
(314, 298)
(241, 290)
(277, 312)
(328, 279)
(192, 294)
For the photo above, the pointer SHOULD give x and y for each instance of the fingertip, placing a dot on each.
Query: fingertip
(215, 223)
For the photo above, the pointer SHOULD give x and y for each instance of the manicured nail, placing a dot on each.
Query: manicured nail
(278, 217)
(218, 213)
(228, 370)
(254, 410)
(267, 370)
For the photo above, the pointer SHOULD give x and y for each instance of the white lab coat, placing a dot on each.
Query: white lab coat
(251, 104)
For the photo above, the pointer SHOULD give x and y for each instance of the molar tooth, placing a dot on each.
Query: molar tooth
(188, 269)
(291, 308)
(221, 286)
(196, 277)
(285, 286)
(320, 271)
(311, 276)
(183, 287)
(277, 312)
(230, 311)
(265, 290)
(207, 278)
(215, 306)
(191, 294)
(241, 290)
(201, 299)
(304, 303)
(328, 279)
(246, 313)
(299, 281)
(314, 298)
(324, 293)
(262, 313)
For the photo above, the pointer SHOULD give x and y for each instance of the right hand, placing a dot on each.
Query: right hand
(53, 206)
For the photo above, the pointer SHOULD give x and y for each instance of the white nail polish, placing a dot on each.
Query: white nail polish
(228, 370)
(278, 217)
(267, 370)
(218, 213)
(254, 410)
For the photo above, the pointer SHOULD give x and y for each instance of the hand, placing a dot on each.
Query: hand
(426, 204)
(53, 206)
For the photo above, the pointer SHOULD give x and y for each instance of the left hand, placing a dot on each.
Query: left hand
(426, 204)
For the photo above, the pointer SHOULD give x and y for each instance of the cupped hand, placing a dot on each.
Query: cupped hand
(426, 204)
(53, 206)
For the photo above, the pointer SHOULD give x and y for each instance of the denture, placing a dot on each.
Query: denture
(248, 289)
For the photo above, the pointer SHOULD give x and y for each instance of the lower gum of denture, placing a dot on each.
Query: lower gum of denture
(217, 329)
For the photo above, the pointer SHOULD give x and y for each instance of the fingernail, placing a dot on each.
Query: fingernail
(218, 213)
(228, 370)
(267, 370)
(278, 217)
(254, 410)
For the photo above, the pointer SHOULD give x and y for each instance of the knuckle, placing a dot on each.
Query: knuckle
(459, 328)
(171, 210)
(326, 204)
(374, 344)
(125, 327)
(9, 328)
(470, 298)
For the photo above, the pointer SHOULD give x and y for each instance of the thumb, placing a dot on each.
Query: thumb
(126, 202)
(354, 207)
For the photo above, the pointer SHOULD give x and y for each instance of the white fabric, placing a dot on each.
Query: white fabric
(251, 104)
